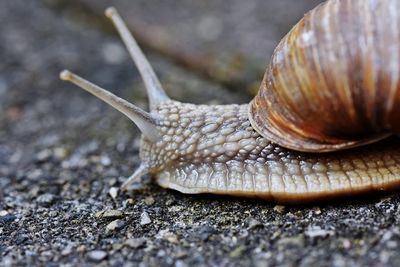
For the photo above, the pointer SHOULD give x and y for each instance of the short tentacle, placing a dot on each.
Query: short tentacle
(142, 170)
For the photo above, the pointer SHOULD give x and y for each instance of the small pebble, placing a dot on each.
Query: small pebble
(161, 253)
(346, 244)
(8, 218)
(43, 155)
(128, 202)
(97, 255)
(46, 199)
(81, 248)
(149, 201)
(205, 232)
(113, 192)
(180, 254)
(317, 210)
(144, 218)
(105, 161)
(47, 254)
(66, 251)
(21, 238)
(279, 209)
(172, 238)
(113, 181)
(109, 214)
(180, 263)
(115, 225)
(3, 213)
(169, 202)
(237, 252)
(253, 223)
(318, 232)
(135, 242)
(60, 153)
(294, 241)
(167, 235)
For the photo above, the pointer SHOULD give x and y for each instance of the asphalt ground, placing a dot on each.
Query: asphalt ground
(63, 153)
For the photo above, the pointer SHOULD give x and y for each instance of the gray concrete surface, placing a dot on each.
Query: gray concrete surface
(62, 151)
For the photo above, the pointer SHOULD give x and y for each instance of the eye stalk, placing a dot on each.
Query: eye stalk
(144, 120)
(154, 88)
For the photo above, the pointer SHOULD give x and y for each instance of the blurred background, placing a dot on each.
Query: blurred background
(62, 151)
(206, 52)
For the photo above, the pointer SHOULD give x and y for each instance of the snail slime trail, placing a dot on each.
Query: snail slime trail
(341, 58)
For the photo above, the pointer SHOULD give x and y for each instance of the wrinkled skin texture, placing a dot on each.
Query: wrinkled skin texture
(214, 149)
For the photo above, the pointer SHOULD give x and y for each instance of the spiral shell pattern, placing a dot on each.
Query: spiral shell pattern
(333, 81)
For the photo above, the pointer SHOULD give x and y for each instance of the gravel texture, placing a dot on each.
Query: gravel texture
(63, 153)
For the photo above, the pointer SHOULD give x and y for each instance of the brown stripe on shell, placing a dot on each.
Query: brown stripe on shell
(384, 79)
(337, 65)
(320, 83)
(356, 66)
(330, 78)
(368, 55)
(394, 59)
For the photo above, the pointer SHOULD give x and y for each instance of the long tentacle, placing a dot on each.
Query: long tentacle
(144, 120)
(155, 91)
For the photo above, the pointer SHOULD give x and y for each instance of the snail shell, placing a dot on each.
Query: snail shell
(333, 81)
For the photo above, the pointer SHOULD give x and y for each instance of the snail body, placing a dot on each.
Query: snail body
(226, 149)
(214, 149)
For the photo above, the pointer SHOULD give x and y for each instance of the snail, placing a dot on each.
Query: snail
(315, 129)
